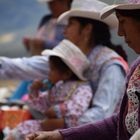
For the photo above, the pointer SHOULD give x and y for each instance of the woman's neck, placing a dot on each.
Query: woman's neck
(86, 49)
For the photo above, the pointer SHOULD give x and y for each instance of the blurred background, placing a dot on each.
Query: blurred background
(20, 18)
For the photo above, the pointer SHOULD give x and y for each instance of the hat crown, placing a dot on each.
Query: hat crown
(88, 9)
(88, 5)
(72, 56)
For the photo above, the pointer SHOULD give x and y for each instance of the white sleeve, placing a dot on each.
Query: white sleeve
(35, 67)
(107, 96)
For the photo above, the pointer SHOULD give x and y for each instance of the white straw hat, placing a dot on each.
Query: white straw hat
(72, 56)
(88, 9)
(44, 1)
(131, 5)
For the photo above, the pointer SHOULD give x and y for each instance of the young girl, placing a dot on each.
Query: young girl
(67, 99)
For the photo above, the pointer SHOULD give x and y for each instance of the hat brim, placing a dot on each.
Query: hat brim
(52, 53)
(107, 11)
(111, 21)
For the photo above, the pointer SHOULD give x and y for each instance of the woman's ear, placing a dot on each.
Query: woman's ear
(86, 32)
(88, 29)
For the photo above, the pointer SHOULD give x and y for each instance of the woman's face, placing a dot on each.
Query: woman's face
(57, 7)
(72, 32)
(130, 29)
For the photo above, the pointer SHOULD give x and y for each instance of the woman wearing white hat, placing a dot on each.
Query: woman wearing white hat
(92, 36)
(126, 123)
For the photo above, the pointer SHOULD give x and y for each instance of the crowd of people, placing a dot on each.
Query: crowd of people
(88, 90)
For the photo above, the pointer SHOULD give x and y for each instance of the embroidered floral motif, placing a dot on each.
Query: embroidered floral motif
(131, 119)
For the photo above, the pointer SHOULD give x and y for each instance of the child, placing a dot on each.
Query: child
(66, 100)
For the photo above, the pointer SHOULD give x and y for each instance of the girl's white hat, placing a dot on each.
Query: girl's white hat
(131, 5)
(88, 9)
(44, 1)
(72, 56)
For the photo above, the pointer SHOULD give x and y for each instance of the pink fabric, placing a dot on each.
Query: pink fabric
(25, 97)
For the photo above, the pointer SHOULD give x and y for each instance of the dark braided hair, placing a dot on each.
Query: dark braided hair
(101, 35)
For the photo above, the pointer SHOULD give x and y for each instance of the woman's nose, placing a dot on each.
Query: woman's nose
(120, 30)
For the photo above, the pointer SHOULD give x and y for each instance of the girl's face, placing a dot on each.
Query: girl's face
(130, 29)
(72, 32)
(54, 74)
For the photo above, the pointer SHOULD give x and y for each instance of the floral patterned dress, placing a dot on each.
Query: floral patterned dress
(69, 100)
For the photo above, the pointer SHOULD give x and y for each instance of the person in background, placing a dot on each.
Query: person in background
(49, 32)
(66, 99)
(48, 35)
(126, 123)
(108, 68)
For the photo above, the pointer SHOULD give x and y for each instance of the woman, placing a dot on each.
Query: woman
(93, 37)
(124, 125)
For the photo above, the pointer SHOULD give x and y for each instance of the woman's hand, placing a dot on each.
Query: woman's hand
(33, 45)
(50, 113)
(26, 42)
(50, 135)
(36, 46)
(52, 124)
